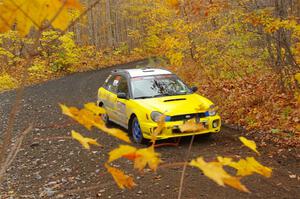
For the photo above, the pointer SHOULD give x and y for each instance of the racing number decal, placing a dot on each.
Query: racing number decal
(121, 107)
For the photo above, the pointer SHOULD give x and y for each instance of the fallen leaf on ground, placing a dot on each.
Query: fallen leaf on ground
(297, 77)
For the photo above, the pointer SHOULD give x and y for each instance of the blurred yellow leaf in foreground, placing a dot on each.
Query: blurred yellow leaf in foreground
(191, 126)
(141, 157)
(215, 171)
(89, 117)
(121, 151)
(147, 156)
(122, 180)
(84, 141)
(94, 108)
(24, 14)
(249, 143)
(246, 166)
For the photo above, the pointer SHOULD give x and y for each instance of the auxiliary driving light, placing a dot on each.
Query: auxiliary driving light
(215, 123)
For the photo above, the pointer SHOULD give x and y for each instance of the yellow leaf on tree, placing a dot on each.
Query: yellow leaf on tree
(249, 143)
(24, 14)
(121, 151)
(191, 126)
(122, 180)
(215, 171)
(147, 156)
(173, 2)
(84, 141)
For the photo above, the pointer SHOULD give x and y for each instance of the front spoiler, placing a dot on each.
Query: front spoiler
(167, 132)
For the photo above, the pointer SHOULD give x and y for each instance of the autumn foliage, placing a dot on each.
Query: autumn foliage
(218, 45)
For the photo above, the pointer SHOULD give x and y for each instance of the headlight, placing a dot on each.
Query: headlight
(212, 111)
(155, 116)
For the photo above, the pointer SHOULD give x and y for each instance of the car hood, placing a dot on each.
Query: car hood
(176, 105)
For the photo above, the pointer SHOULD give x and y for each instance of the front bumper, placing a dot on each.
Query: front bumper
(171, 129)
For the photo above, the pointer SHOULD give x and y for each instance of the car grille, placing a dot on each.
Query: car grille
(187, 117)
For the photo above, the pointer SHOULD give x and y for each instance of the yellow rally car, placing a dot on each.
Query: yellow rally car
(136, 98)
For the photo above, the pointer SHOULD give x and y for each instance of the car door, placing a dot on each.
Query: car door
(111, 96)
(121, 103)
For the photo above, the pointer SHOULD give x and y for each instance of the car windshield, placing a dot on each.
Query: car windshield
(157, 86)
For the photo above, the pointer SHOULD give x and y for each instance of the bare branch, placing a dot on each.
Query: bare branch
(13, 153)
(184, 167)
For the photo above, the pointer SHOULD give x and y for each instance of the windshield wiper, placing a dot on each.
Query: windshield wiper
(145, 97)
(159, 95)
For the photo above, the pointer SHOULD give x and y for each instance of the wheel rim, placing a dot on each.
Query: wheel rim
(136, 131)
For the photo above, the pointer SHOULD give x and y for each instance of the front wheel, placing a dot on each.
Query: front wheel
(136, 132)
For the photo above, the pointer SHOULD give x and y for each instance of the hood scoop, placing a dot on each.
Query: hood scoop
(178, 99)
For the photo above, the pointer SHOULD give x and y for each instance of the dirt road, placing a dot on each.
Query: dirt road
(50, 165)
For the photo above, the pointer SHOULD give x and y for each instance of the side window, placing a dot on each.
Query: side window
(113, 83)
(110, 82)
(106, 81)
(123, 86)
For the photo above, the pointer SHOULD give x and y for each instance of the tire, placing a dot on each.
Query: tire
(136, 132)
(205, 136)
(104, 117)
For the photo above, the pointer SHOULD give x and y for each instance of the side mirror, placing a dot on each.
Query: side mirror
(194, 89)
(122, 95)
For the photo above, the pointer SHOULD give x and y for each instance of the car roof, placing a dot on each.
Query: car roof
(141, 72)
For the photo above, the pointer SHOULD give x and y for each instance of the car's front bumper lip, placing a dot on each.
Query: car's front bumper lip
(168, 132)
